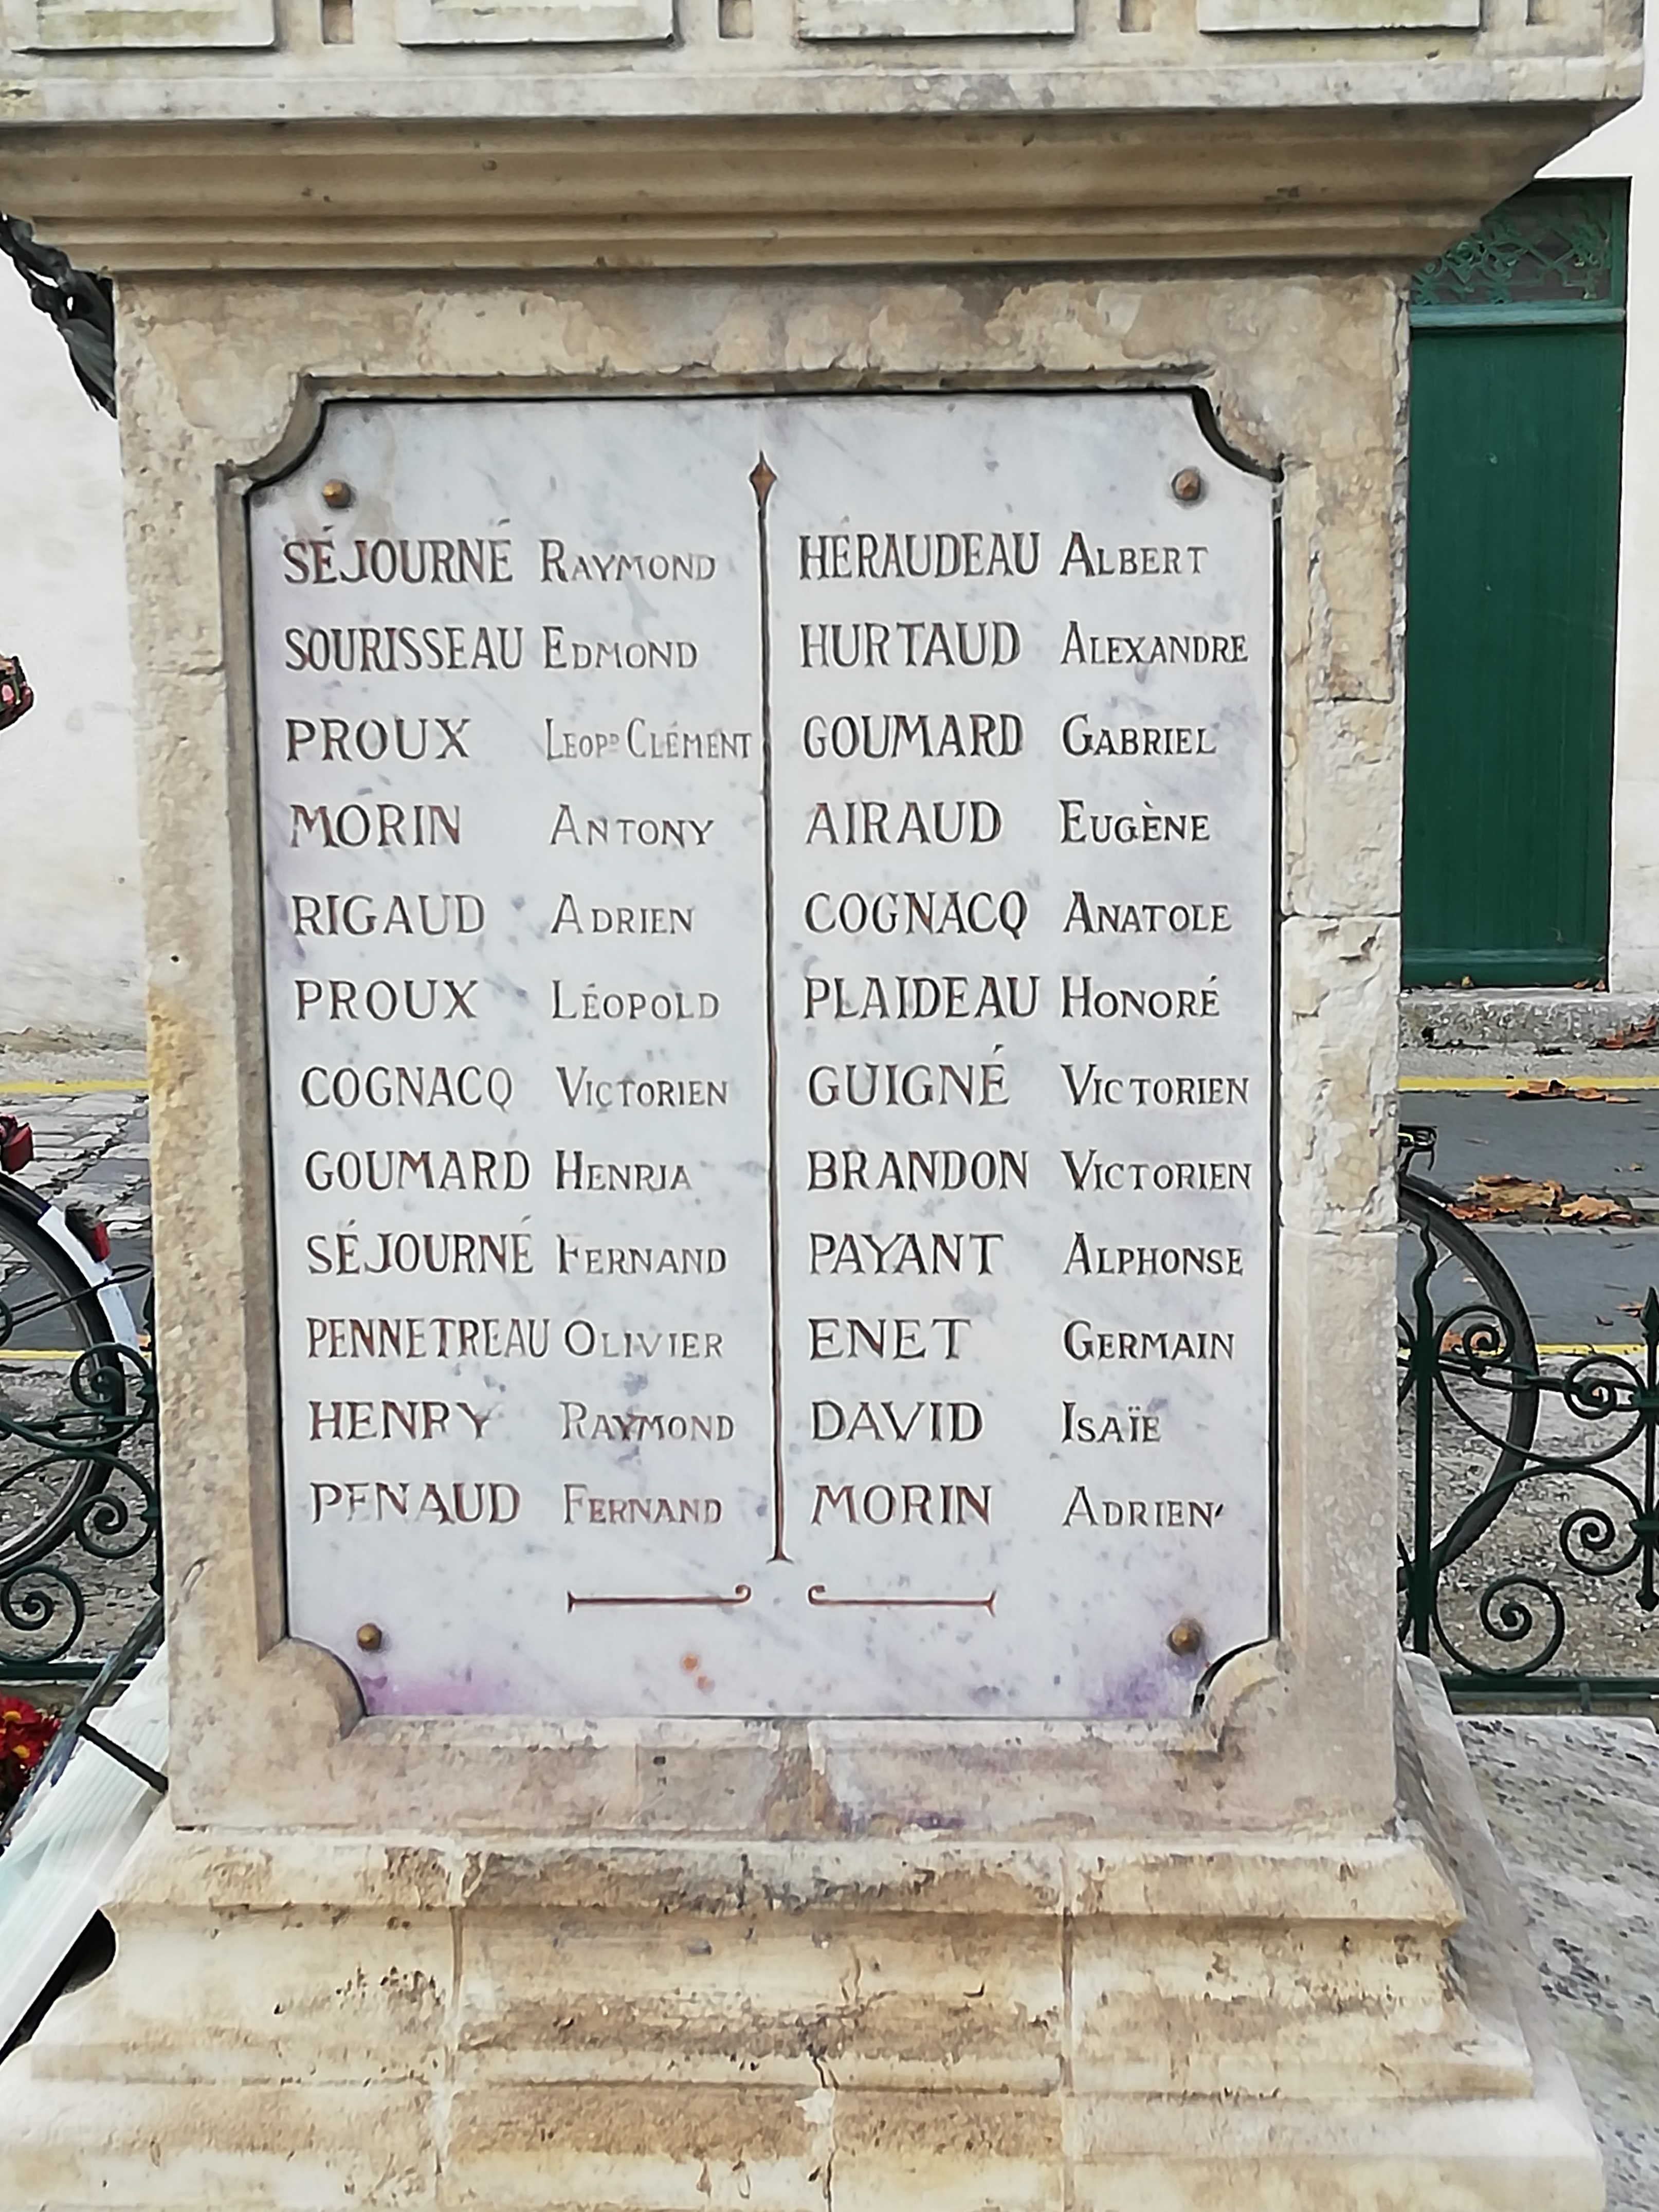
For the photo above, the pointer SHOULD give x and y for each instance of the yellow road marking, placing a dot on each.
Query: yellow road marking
(24, 1357)
(1612, 1082)
(70, 1090)
(1582, 1350)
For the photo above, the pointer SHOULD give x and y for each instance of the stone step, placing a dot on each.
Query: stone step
(1526, 1020)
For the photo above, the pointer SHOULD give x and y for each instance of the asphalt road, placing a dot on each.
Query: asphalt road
(1577, 1282)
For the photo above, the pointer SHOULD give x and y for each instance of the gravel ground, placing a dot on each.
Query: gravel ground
(1574, 1808)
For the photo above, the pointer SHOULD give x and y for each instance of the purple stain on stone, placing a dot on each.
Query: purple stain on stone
(1158, 1689)
(420, 1697)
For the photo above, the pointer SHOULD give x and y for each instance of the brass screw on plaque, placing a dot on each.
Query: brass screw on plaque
(1187, 1639)
(1186, 484)
(338, 493)
(370, 1637)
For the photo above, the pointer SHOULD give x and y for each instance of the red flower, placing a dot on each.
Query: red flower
(25, 1734)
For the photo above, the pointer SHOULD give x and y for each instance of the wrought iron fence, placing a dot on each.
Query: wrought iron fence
(80, 1505)
(1530, 1537)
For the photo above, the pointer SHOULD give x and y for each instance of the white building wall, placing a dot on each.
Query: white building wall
(1629, 147)
(71, 948)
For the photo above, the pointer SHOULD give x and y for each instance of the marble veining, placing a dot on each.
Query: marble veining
(769, 955)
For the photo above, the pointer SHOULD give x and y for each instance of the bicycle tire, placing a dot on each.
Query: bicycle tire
(1422, 1208)
(90, 1403)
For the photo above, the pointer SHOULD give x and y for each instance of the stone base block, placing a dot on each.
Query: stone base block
(308, 2022)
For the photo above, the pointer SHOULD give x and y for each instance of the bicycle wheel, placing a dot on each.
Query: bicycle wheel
(63, 1392)
(1486, 1388)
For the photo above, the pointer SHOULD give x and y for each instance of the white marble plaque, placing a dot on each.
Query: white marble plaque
(770, 955)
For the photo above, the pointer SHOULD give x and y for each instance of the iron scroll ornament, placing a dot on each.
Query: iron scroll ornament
(93, 1451)
(1463, 1374)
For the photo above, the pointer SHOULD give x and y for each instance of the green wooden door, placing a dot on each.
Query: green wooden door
(1517, 385)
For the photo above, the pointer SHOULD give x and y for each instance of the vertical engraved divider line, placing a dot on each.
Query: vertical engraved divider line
(761, 479)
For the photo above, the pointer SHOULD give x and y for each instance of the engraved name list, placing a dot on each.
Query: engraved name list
(770, 955)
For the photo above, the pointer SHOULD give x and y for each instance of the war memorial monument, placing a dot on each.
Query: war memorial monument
(769, 637)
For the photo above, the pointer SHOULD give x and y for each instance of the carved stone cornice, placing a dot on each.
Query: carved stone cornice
(1299, 183)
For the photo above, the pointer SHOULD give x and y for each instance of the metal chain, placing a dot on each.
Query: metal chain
(81, 306)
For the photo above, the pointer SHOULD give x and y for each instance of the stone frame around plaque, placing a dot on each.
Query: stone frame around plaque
(713, 1776)
(310, 431)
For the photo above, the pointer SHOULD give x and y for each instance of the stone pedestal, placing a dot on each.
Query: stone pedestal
(1256, 1954)
(315, 2019)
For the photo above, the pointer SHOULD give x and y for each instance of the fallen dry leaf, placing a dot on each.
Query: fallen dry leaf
(1511, 1193)
(1490, 1197)
(1589, 1208)
(1634, 1034)
(1556, 1089)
